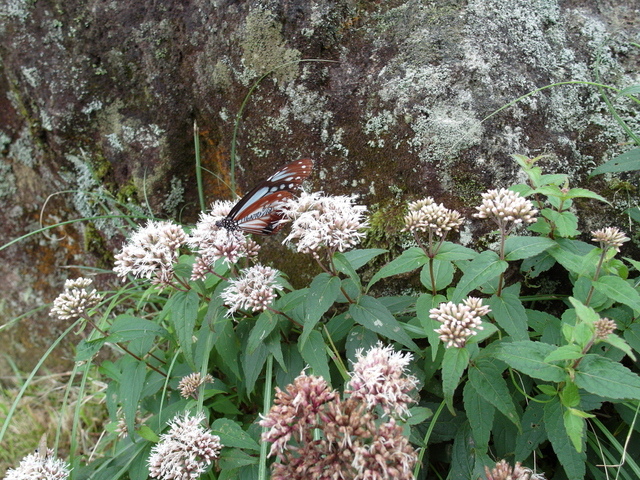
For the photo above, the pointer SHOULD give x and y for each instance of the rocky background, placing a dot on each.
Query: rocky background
(395, 99)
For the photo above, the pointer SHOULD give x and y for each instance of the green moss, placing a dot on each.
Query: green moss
(385, 227)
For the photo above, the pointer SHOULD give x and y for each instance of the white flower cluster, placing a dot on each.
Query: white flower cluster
(506, 206)
(426, 215)
(75, 300)
(379, 378)
(212, 242)
(609, 237)
(321, 221)
(185, 451)
(151, 252)
(459, 322)
(39, 466)
(254, 289)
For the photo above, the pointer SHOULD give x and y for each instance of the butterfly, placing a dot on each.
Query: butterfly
(260, 210)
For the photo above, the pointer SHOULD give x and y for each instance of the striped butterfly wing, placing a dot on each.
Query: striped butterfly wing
(259, 211)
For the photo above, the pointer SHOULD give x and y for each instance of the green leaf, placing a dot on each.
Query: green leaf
(619, 290)
(148, 434)
(183, 308)
(625, 162)
(509, 313)
(632, 335)
(529, 358)
(574, 262)
(425, 303)
(454, 364)
(323, 292)
(483, 268)
(584, 313)
(235, 458)
(314, 353)
(566, 223)
(518, 248)
(442, 272)
(575, 427)
(232, 435)
(263, 327)
(533, 432)
(343, 265)
(534, 266)
(252, 363)
(452, 252)
(228, 346)
(571, 460)
(86, 349)
(408, 261)
(606, 378)
(419, 415)
(371, 314)
(584, 193)
(360, 257)
(615, 341)
(131, 385)
(127, 327)
(565, 352)
(480, 414)
(486, 378)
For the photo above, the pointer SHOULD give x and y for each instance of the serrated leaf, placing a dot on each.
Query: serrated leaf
(360, 257)
(487, 379)
(343, 265)
(425, 303)
(480, 414)
(454, 364)
(127, 327)
(533, 432)
(419, 415)
(453, 252)
(618, 290)
(565, 352)
(442, 274)
(575, 263)
(584, 193)
(480, 270)
(86, 349)
(509, 313)
(571, 460)
(566, 223)
(584, 313)
(131, 385)
(148, 434)
(625, 162)
(632, 335)
(370, 313)
(323, 292)
(263, 327)
(606, 378)
(408, 261)
(518, 248)
(528, 357)
(313, 352)
(252, 363)
(183, 308)
(615, 341)
(232, 435)
(235, 458)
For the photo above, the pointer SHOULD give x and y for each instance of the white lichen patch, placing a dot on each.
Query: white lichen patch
(265, 49)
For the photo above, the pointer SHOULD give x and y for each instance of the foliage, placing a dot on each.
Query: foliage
(541, 377)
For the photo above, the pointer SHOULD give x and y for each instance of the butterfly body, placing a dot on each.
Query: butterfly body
(259, 211)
